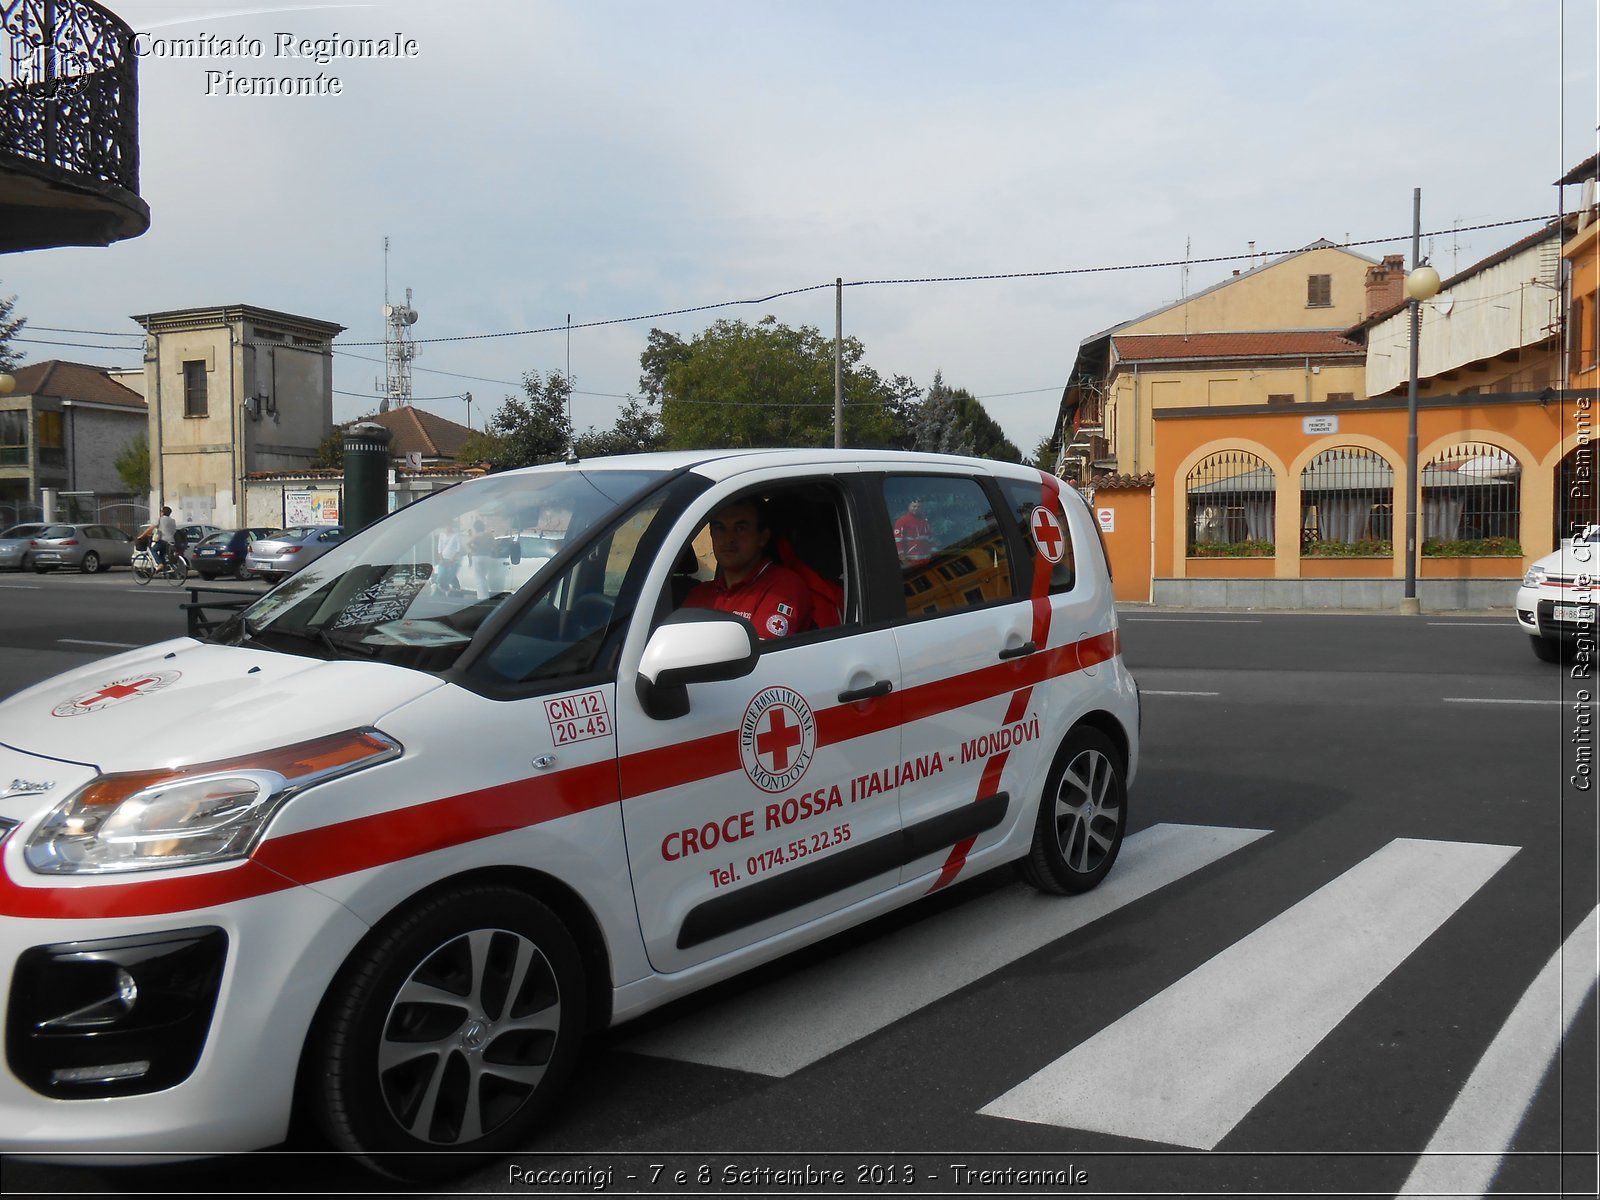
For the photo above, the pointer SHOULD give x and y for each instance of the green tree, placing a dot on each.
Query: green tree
(10, 326)
(637, 431)
(1044, 454)
(737, 384)
(954, 421)
(530, 428)
(133, 466)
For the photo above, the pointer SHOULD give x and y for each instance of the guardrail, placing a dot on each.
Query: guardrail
(201, 624)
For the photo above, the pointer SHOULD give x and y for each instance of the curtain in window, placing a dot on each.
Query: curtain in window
(1441, 515)
(1343, 518)
(1260, 519)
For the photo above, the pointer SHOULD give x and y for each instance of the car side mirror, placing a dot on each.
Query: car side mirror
(693, 645)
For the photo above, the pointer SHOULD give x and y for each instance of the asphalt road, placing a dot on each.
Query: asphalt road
(1330, 960)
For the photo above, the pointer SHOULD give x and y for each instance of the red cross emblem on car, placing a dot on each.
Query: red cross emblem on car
(777, 737)
(111, 694)
(1048, 534)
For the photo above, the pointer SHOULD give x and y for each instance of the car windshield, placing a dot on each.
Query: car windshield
(22, 531)
(57, 531)
(416, 587)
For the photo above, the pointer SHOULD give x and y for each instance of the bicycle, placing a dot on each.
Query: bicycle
(174, 569)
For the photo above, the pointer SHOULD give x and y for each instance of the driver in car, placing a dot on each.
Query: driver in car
(748, 583)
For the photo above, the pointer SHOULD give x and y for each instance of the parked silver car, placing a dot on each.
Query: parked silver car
(282, 553)
(14, 552)
(90, 548)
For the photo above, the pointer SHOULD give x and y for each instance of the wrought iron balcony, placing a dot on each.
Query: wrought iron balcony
(69, 126)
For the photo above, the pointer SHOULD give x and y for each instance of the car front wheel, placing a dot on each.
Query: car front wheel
(1546, 649)
(451, 1029)
(1082, 816)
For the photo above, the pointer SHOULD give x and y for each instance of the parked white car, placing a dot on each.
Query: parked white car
(387, 849)
(1557, 600)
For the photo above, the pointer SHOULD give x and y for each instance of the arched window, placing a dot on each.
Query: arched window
(1471, 502)
(1347, 503)
(1232, 506)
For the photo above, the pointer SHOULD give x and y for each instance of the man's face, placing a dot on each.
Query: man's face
(916, 508)
(737, 540)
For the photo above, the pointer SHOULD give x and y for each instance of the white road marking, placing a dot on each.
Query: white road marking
(1508, 623)
(1197, 620)
(1188, 1064)
(783, 1026)
(1494, 700)
(87, 642)
(1464, 1154)
(1153, 692)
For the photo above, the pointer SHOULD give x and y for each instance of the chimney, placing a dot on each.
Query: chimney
(1386, 283)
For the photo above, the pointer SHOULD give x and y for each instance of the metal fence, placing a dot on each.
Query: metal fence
(1347, 503)
(126, 514)
(1232, 505)
(1471, 497)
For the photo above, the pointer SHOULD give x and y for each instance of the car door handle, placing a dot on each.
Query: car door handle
(882, 688)
(1019, 651)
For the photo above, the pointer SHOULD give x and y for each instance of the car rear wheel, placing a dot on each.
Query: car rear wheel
(1546, 649)
(1082, 816)
(452, 1028)
(90, 563)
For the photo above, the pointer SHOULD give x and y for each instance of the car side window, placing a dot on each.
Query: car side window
(806, 526)
(952, 549)
(1048, 535)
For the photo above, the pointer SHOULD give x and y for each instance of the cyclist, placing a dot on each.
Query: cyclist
(166, 537)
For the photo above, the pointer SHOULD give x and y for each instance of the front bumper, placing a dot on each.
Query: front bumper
(236, 1088)
(1563, 614)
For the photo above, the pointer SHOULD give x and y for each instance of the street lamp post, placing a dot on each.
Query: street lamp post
(1421, 284)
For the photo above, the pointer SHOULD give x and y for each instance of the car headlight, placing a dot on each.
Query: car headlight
(141, 820)
(1535, 576)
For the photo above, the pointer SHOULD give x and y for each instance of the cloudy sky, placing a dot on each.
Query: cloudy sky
(613, 159)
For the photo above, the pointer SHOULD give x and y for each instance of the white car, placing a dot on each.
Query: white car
(1556, 602)
(387, 849)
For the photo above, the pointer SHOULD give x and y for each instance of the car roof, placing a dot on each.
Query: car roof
(725, 464)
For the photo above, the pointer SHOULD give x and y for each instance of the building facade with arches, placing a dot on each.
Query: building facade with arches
(1300, 501)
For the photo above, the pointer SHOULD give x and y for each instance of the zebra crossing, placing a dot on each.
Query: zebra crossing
(1188, 1064)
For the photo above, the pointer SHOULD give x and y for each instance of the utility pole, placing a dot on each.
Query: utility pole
(838, 363)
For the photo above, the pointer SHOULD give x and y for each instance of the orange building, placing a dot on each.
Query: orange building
(1299, 500)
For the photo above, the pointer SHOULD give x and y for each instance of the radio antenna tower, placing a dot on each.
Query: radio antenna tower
(398, 348)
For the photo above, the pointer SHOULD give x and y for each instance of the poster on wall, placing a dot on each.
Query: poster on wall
(310, 507)
(196, 510)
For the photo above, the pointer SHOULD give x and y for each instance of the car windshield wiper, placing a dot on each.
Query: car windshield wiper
(335, 647)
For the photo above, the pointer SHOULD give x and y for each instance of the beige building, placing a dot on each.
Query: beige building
(232, 390)
(1267, 335)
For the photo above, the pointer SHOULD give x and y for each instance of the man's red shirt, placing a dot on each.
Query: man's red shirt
(774, 599)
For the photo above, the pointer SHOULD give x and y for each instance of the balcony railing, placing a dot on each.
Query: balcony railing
(68, 124)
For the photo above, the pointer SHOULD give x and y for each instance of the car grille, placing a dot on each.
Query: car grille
(1566, 627)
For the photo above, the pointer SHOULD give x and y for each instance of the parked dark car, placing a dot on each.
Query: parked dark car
(222, 554)
(90, 548)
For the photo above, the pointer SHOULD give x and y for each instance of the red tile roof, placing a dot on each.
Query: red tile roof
(1291, 343)
(74, 381)
(412, 428)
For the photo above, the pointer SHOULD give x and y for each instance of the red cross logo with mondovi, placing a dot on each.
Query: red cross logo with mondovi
(779, 738)
(1047, 534)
